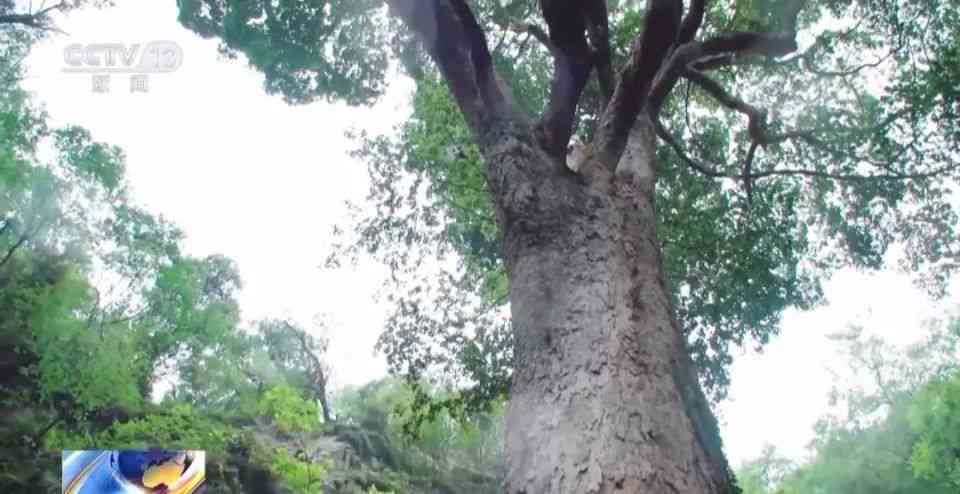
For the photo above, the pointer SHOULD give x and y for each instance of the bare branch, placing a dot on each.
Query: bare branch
(692, 22)
(714, 62)
(743, 43)
(747, 165)
(451, 34)
(572, 62)
(749, 175)
(760, 137)
(319, 374)
(598, 31)
(731, 101)
(20, 241)
(661, 27)
(714, 52)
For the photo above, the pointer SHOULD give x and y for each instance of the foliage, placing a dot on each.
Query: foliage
(99, 304)
(289, 410)
(298, 356)
(373, 490)
(175, 425)
(935, 418)
(762, 474)
(447, 439)
(890, 433)
(305, 50)
(302, 477)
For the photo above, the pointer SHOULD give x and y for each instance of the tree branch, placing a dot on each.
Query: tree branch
(319, 372)
(455, 41)
(747, 174)
(38, 20)
(691, 23)
(537, 32)
(759, 136)
(754, 114)
(743, 43)
(661, 28)
(598, 32)
(572, 62)
(714, 52)
(23, 238)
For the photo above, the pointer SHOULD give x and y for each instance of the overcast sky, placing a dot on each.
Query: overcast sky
(247, 176)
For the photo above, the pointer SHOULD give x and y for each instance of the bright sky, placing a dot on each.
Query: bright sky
(247, 176)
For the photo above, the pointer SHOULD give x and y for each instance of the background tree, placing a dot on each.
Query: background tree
(37, 17)
(888, 432)
(299, 355)
(798, 137)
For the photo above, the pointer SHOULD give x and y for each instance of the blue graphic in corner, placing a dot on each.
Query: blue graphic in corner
(154, 471)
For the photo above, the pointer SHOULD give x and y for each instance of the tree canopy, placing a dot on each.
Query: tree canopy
(793, 146)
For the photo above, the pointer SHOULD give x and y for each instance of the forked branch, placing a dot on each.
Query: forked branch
(598, 31)
(572, 64)
(451, 34)
(661, 28)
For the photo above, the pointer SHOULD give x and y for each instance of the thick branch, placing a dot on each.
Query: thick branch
(29, 20)
(693, 20)
(572, 62)
(742, 43)
(661, 28)
(716, 51)
(598, 31)
(451, 34)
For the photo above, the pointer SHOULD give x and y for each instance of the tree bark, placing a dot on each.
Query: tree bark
(604, 395)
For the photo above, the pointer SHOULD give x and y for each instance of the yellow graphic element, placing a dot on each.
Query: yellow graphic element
(166, 473)
(193, 477)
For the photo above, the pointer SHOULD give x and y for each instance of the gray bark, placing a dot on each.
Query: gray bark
(604, 397)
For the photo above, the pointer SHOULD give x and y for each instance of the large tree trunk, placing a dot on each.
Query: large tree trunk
(604, 395)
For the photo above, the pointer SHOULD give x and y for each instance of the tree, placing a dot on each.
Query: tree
(934, 418)
(886, 434)
(299, 357)
(759, 476)
(295, 416)
(637, 266)
(39, 19)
